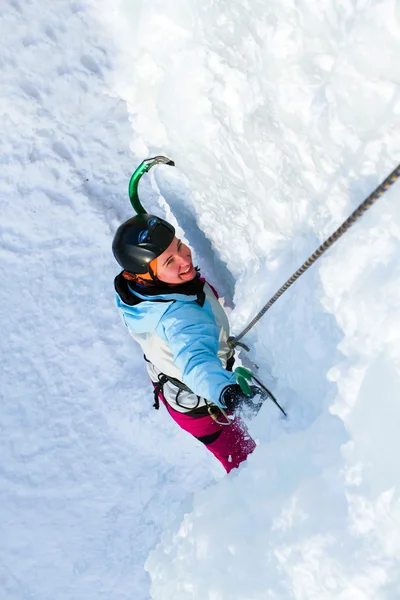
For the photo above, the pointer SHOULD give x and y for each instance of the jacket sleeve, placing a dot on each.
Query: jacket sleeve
(193, 337)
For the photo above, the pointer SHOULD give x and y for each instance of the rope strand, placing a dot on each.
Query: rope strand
(357, 214)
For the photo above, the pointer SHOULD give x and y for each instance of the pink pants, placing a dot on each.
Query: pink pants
(230, 444)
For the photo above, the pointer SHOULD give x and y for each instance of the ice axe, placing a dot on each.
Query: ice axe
(143, 168)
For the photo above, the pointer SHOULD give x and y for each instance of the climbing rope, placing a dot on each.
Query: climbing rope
(357, 214)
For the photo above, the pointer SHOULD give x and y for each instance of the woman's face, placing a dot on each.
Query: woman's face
(174, 265)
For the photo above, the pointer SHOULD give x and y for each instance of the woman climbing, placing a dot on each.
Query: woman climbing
(183, 330)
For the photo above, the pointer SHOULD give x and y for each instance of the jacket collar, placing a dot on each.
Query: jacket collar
(127, 291)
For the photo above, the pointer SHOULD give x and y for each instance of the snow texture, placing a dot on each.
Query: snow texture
(281, 118)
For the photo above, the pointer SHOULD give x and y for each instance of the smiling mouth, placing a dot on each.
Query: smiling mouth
(187, 270)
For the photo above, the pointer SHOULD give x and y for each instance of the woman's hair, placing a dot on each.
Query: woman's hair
(149, 278)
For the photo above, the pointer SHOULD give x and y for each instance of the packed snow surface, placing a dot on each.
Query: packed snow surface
(281, 118)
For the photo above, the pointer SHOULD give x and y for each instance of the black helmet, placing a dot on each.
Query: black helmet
(140, 240)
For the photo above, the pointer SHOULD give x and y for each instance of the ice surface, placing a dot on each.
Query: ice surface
(281, 118)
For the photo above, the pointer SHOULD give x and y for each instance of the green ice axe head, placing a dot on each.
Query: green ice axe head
(243, 377)
(134, 181)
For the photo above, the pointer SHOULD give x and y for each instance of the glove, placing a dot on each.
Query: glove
(243, 376)
(233, 398)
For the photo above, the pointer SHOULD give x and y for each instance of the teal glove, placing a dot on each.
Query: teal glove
(243, 377)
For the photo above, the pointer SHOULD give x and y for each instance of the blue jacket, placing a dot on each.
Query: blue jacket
(181, 337)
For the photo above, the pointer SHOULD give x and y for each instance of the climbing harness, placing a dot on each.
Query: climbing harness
(210, 408)
(357, 214)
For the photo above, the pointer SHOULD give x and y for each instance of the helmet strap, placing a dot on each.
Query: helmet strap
(153, 275)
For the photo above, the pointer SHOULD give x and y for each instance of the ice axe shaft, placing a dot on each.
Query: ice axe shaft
(269, 394)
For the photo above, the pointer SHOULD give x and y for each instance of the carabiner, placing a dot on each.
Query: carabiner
(214, 416)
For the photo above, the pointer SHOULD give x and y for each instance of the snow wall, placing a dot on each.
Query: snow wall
(283, 117)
